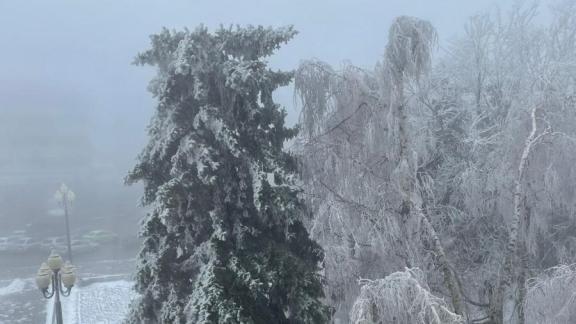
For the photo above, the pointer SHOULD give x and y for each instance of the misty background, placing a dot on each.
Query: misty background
(74, 110)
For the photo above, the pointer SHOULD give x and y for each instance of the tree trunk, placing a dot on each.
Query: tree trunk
(443, 263)
(507, 305)
(408, 189)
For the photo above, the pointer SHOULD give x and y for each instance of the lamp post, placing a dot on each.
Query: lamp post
(54, 279)
(65, 197)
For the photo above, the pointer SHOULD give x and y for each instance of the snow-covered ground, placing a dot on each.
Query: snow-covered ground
(20, 302)
(97, 303)
(15, 286)
(105, 301)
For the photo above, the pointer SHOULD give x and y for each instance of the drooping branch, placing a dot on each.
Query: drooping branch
(409, 50)
(401, 297)
(550, 297)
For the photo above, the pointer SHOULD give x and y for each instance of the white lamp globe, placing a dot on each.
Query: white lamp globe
(68, 275)
(54, 261)
(43, 280)
(44, 268)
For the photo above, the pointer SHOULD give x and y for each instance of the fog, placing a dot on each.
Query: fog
(74, 109)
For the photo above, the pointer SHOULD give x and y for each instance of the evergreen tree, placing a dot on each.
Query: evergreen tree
(223, 241)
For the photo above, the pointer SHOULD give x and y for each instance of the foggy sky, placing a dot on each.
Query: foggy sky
(72, 59)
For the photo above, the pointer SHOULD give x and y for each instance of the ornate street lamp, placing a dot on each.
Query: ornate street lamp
(65, 197)
(53, 279)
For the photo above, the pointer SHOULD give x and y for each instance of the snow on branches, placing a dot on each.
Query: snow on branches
(551, 297)
(401, 297)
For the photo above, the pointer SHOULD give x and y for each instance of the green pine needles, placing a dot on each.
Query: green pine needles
(223, 241)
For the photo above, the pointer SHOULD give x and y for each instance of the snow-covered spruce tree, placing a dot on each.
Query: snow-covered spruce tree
(224, 241)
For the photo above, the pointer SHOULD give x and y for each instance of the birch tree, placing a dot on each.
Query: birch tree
(357, 127)
(463, 172)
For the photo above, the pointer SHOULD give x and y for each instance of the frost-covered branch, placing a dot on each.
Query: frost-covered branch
(551, 297)
(401, 297)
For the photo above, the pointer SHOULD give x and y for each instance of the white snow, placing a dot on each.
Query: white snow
(17, 285)
(97, 303)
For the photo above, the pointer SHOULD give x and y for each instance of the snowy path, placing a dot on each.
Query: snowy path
(97, 303)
